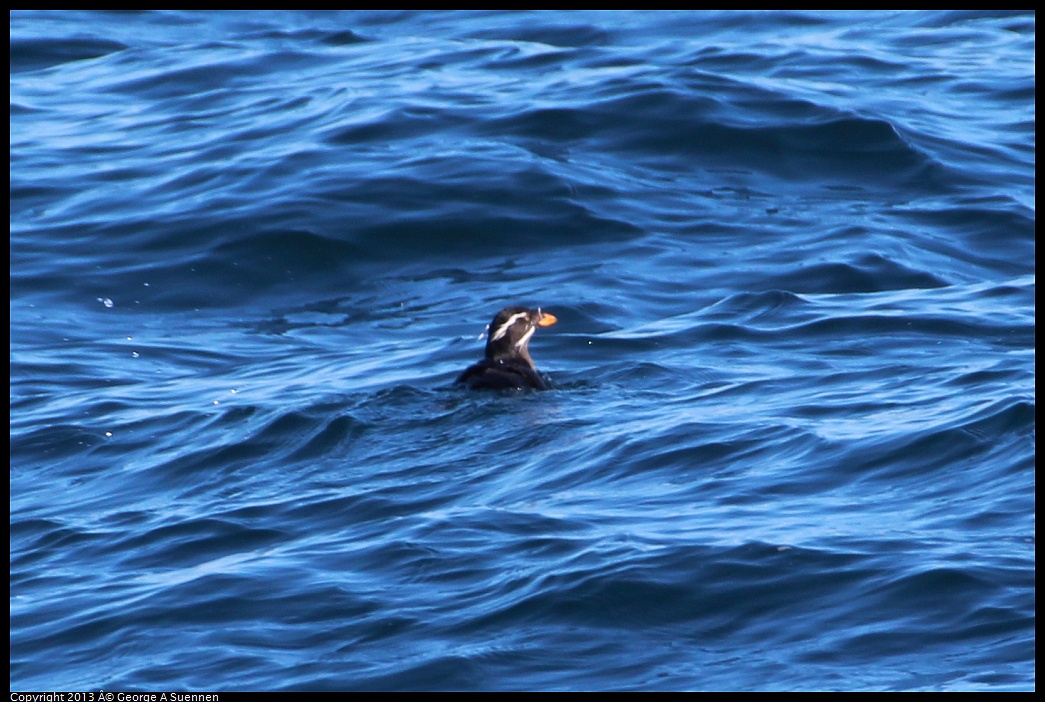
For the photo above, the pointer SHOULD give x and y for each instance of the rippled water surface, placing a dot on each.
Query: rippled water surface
(790, 438)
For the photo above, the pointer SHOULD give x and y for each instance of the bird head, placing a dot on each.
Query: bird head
(510, 333)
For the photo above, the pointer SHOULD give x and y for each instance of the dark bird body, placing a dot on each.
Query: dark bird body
(507, 364)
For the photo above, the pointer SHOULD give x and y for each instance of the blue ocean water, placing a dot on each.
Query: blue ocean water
(790, 440)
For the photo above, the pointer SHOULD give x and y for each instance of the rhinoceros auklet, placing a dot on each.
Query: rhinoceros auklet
(508, 364)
